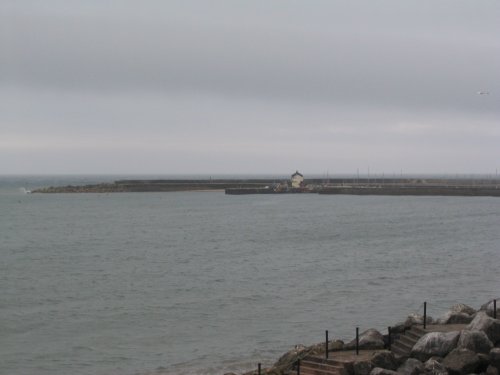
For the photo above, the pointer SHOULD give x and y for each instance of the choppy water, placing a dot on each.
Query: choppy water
(203, 283)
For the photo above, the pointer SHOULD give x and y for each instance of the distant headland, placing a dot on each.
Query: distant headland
(297, 184)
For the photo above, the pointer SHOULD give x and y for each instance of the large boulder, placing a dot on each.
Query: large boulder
(411, 366)
(490, 326)
(462, 362)
(452, 317)
(385, 359)
(457, 314)
(434, 366)
(477, 341)
(488, 308)
(435, 344)
(369, 339)
(462, 308)
(495, 357)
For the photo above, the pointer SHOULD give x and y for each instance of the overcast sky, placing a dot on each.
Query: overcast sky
(256, 86)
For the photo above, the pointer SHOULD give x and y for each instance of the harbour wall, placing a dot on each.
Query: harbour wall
(373, 186)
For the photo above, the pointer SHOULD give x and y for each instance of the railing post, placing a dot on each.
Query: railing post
(259, 369)
(425, 314)
(357, 340)
(298, 366)
(390, 338)
(326, 344)
(494, 309)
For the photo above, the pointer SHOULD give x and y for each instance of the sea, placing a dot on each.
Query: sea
(204, 283)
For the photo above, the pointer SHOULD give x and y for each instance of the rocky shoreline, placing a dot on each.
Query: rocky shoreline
(463, 341)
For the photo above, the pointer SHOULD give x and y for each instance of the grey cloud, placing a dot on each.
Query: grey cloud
(255, 87)
(337, 64)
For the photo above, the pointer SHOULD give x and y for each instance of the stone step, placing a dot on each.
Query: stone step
(418, 330)
(322, 360)
(320, 366)
(413, 334)
(407, 340)
(309, 371)
(312, 365)
(403, 345)
(401, 348)
(398, 351)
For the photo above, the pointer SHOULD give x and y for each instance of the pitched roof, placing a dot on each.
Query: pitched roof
(297, 174)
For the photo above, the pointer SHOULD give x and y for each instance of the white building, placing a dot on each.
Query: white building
(297, 180)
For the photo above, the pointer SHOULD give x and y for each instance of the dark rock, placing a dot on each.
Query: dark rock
(369, 339)
(484, 358)
(435, 344)
(462, 308)
(382, 371)
(484, 361)
(462, 362)
(477, 341)
(434, 366)
(492, 370)
(495, 357)
(490, 326)
(385, 360)
(362, 368)
(457, 314)
(411, 366)
(452, 317)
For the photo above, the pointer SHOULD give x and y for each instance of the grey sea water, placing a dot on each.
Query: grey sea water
(203, 283)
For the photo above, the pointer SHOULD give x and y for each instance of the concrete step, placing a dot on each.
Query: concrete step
(311, 365)
(402, 349)
(398, 351)
(419, 330)
(319, 366)
(413, 334)
(403, 345)
(323, 360)
(308, 371)
(314, 371)
(407, 340)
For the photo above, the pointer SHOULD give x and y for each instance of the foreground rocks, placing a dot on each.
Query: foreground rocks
(475, 349)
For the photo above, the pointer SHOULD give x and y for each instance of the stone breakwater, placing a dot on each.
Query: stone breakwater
(463, 341)
(385, 186)
(138, 186)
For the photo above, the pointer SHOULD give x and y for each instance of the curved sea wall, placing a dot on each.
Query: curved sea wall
(446, 187)
(133, 186)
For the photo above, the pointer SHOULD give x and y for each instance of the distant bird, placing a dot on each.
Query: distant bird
(483, 93)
